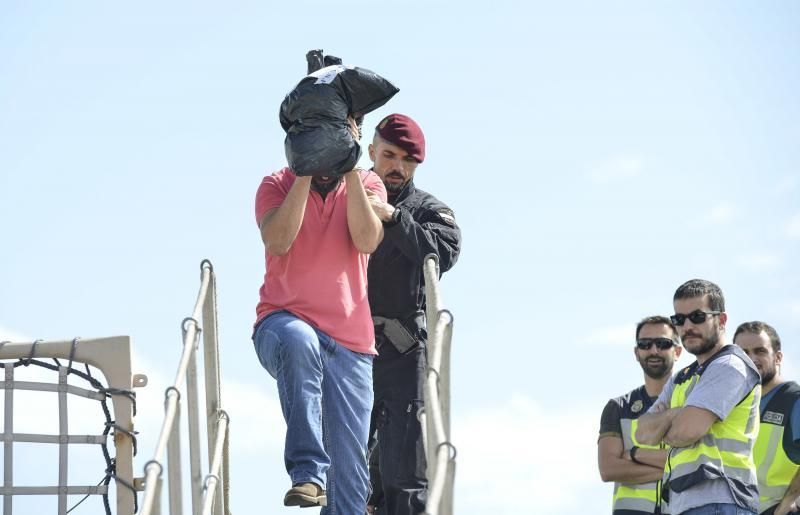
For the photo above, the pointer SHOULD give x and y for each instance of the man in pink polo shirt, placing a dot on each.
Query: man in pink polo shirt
(314, 330)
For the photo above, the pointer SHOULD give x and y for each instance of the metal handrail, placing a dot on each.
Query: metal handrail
(212, 480)
(204, 492)
(440, 451)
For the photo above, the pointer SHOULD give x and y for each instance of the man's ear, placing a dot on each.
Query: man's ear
(371, 150)
(723, 319)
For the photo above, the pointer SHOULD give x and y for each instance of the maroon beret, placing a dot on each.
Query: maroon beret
(404, 132)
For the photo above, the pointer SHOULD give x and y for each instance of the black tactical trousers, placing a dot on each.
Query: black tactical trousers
(397, 462)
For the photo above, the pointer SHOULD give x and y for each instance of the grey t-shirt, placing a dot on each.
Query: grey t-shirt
(726, 381)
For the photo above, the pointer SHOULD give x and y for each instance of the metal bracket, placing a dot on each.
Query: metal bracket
(139, 380)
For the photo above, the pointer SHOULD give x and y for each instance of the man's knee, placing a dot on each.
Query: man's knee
(298, 342)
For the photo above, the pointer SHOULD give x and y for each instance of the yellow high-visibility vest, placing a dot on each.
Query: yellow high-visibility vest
(774, 468)
(641, 497)
(726, 451)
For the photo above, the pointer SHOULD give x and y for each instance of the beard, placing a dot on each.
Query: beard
(767, 375)
(325, 187)
(395, 188)
(655, 369)
(706, 343)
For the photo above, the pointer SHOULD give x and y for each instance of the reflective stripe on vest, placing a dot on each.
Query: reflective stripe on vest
(725, 452)
(642, 497)
(773, 467)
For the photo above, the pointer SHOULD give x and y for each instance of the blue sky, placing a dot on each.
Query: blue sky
(596, 155)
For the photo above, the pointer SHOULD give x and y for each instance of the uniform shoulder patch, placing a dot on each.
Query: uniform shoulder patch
(447, 216)
(773, 418)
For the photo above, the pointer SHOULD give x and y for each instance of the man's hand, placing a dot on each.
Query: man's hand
(383, 210)
(784, 508)
(352, 127)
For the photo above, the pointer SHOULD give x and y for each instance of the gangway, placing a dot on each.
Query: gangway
(112, 356)
(209, 492)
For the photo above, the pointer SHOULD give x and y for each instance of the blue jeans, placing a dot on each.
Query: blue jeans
(326, 397)
(719, 509)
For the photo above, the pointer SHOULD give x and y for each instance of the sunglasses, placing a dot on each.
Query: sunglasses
(660, 343)
(696, 317)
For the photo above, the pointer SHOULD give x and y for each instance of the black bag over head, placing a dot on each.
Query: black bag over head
(314, 116)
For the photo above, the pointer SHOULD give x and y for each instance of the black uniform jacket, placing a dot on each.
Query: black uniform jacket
(424, 225)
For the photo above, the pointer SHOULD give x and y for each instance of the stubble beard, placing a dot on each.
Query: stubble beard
(325, 187)
(394, 189)
(707, 343)
(768, 375)
(655, 373)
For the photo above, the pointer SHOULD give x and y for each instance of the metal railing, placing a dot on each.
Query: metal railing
(435, 418)
(210, 493)
(112, 356)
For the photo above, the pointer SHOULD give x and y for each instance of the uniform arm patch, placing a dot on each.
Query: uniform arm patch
(447, 216)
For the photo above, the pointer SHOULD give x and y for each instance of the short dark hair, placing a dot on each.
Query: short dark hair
(657, 320)
(756, 327)
(699, 287)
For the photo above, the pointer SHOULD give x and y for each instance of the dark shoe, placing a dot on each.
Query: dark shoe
(305, 495)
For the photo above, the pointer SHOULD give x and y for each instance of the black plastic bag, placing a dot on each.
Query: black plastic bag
(314, 116)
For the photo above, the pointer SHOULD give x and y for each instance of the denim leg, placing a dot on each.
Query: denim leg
(346, 406)
(289, 349)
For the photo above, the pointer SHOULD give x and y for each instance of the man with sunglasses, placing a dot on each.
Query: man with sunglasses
(777, 449)
(636, 469)
(707, 413)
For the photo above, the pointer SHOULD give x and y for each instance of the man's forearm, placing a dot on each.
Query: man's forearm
(689, 426)
(624, 471)
(653, 457)
(615, 464)
(653, 426)
(366, 229)
(280, 227)
(790, 496)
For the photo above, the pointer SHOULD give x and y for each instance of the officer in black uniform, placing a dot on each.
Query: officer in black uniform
(415, 224)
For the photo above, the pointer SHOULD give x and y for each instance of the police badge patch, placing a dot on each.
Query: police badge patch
(773, 418)
(637, 406)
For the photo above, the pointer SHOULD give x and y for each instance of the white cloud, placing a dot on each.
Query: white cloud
(720, 214)
(616, 169)
(516, 448)
(612, 335)
(793, 227)
(760, 262)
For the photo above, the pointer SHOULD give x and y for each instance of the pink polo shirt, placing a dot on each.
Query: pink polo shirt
(323, 277)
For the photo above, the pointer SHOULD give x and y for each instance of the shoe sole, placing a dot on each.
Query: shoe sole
(305, 501)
